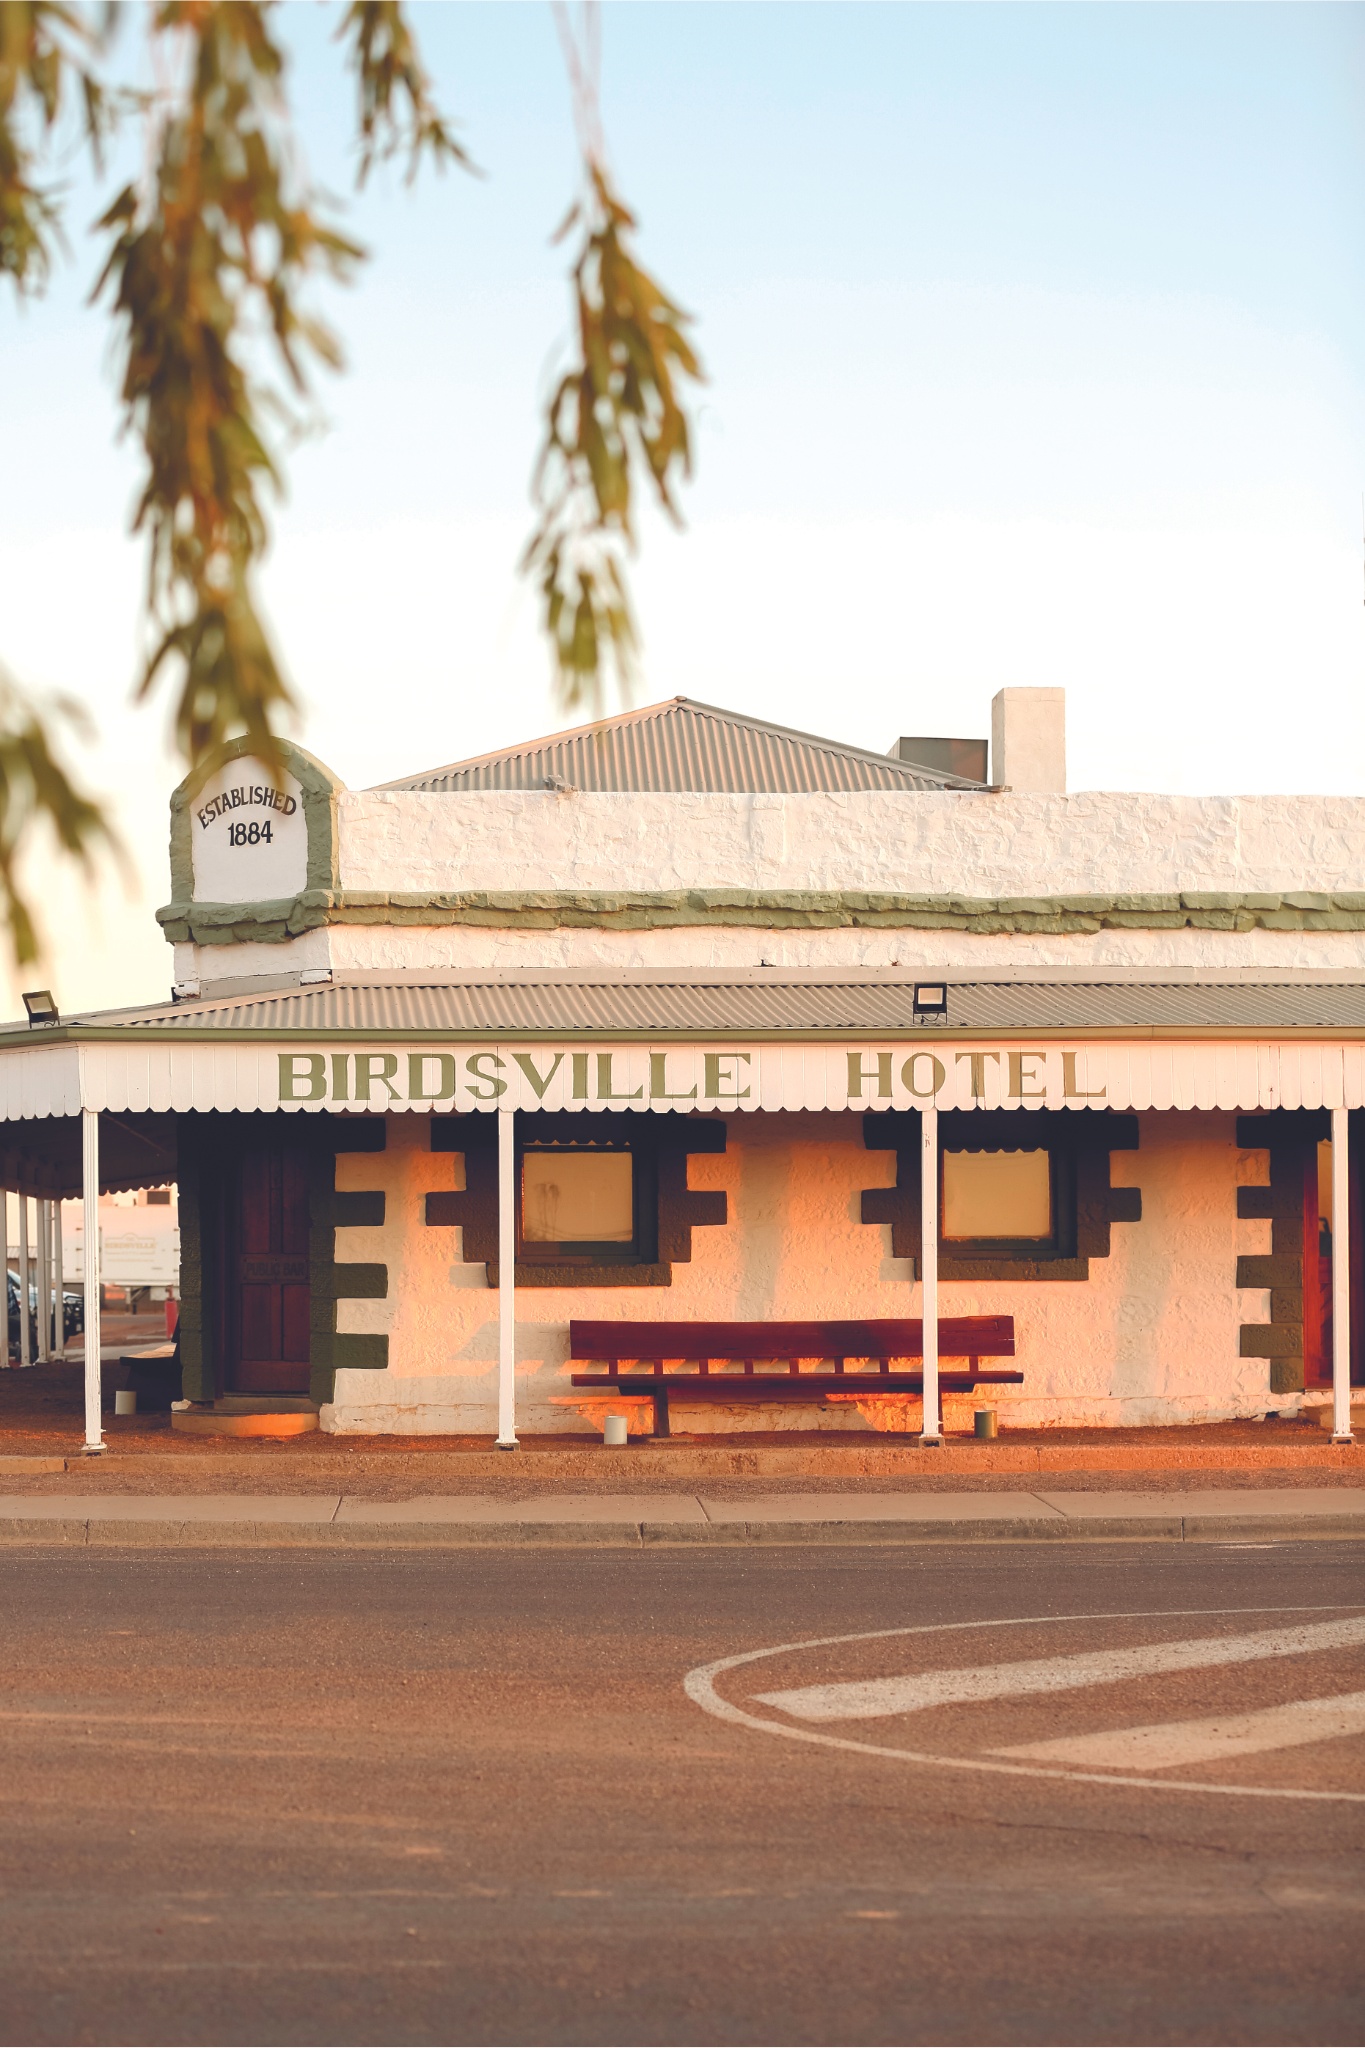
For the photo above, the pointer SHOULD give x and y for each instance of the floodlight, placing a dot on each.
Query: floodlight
(40, 1006)
(931, 998)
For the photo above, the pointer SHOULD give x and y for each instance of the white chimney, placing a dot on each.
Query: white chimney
(1028, 739)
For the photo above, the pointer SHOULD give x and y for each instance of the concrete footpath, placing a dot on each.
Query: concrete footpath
(1195, 1515)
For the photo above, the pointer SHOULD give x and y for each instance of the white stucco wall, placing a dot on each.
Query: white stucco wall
(473, 950)
(917, 842)
(1091, 844)
(1151, 1337)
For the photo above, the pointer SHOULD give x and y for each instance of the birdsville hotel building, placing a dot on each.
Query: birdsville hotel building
(726, 1078)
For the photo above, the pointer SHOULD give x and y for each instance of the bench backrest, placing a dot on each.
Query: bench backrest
(873, 1337)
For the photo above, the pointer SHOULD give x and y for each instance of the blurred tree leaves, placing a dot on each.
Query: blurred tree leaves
(210, 253)
(614, 413)
(48, 55)
(209, 256)
(35, 790)
(397, 112)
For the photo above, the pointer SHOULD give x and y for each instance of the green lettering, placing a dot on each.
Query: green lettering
(937, 1075)
(340, 1063)
(720, 1081)
(605, 1091)
(658, 1082)
(315, 1077)
(978, 1065)
(492, 1084)
(1070, 1085)
(375, 1066)
(858, 1073)
(538, 1081)
(418, 1063)
(1018, 1077)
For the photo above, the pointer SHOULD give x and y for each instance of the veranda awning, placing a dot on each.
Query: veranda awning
(291, 1071)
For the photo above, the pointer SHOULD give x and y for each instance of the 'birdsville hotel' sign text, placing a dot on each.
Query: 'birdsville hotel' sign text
(566, 1076)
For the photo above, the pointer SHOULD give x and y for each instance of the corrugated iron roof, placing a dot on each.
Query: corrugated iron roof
(701, 1007)
(682, 746)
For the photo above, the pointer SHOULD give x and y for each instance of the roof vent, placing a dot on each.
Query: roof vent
(966, 758)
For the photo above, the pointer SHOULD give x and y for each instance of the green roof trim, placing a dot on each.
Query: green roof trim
(323, 903)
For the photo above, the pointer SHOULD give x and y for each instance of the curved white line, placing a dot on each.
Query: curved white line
(699, 1685)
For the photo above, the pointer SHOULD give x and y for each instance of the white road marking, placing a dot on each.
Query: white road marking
(1167, 1745)
(872, 1699)
(700, 1687)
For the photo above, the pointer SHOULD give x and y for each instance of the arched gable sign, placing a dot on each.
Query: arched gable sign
(250, 860)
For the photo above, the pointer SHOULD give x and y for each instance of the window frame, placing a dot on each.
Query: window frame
(1060, 1241)
(581, 1253)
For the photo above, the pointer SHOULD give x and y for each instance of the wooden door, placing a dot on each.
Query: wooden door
(272, 1297)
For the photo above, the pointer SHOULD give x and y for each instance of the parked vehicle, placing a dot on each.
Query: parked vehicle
(75, 1313)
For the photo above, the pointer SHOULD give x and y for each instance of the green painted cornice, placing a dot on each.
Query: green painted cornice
(225, 924)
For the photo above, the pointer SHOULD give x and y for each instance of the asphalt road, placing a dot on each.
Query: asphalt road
(463, 1796)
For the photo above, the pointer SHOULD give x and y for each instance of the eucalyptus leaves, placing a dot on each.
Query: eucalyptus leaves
(209, 254)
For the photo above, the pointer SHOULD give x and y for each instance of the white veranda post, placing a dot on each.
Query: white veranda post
(1341, 1278)
(928, 1190)
(25, 1327)
(507, 1280)
(58, 1283)
(90, 1203)
(44, 1212)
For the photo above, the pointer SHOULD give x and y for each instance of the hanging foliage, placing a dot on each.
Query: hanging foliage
(47, 67)
(36, 790)
(209, 262)
(209, 257)
(397, 112)
(615, 413)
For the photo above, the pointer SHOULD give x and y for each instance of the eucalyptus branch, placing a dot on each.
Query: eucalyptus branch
(398, 114)
(209, 259)
(35, 788)
(47, 61)
(207, 266)
(48, 54)
(614, 414)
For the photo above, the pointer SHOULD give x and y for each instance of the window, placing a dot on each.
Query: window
(997, 1195)
(602, 1201)
(1023, 1194)
(579, 1205)
(577, 1198)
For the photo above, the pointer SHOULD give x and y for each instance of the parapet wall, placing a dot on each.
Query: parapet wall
(1091, 845)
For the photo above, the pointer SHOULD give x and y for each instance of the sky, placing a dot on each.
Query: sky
(1035, 354)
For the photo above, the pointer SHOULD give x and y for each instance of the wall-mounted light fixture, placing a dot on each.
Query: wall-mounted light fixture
(931, 998)
(40, 1006)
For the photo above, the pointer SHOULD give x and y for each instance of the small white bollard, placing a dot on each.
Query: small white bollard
(125, 1401)
(614, 1432)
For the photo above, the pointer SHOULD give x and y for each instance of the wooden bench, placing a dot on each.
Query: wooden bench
(647, 1346)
